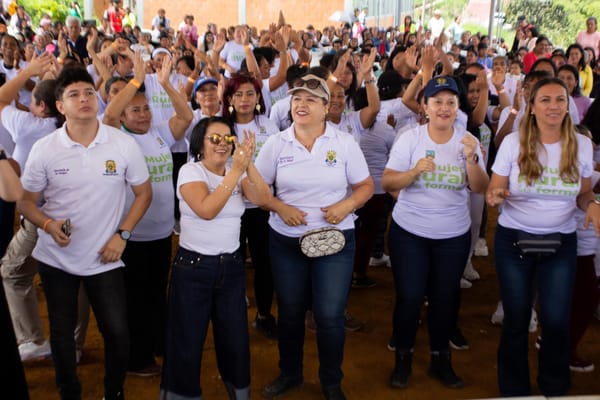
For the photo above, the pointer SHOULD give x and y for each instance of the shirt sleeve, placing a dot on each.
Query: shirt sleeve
(400, 155)
(357, 169)
(13, 119)
(266, 162)
(504, 157)
(34, 177)
(137, 170)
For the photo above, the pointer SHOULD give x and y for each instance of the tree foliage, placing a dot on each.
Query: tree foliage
(560, 20)
(57, 9)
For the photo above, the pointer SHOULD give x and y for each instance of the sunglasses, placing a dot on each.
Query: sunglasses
(216, 139)
(309, 83)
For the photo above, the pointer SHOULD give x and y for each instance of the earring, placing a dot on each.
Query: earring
(230, 109)
(258, 108)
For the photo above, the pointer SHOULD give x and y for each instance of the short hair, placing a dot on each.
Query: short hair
(68, 76)
(575, 72)
(72, 18)
(199, 132)
(111, 81)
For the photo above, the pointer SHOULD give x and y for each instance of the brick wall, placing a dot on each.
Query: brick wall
(259, 13)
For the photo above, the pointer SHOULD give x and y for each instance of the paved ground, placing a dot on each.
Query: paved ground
(367, 363)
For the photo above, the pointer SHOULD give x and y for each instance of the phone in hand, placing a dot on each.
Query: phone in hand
(66, 227)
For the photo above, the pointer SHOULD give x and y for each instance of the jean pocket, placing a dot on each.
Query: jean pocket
(187, 261)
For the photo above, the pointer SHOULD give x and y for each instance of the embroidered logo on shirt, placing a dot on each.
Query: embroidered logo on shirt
(110, 168)
(61, 171)
(161, 142)
(330, 160)
(285, 160)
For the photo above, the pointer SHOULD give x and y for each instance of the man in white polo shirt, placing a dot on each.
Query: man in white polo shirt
(83, 171)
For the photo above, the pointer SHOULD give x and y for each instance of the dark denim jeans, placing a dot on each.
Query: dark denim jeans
(294, 274)
(106, 293)
(204, 289)
(554, 278)
(426, 267)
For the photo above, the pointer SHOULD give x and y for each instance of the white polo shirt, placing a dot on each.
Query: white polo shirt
(435, 205)
(280, 113)
(157, 222)
(549, 196)
(87, 185)
(351, 124)
(311, 180)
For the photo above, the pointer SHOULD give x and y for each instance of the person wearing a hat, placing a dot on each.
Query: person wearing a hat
(433, 166)
(321, 178)
(148, 252)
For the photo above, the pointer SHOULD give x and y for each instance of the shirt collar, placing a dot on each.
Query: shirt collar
(66, 141)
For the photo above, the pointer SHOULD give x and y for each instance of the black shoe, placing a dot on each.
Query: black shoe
(402, 370)
(363, 283)
(281, 385)
(334, 393)
(441, 369)
(267, 326)
(458, 341)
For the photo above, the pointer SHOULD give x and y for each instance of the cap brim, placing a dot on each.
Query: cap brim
(319, 93)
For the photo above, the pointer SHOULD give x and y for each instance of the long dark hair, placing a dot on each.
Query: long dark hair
(199, 131)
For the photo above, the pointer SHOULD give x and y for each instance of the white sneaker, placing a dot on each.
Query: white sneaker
(31, 351)
(533, 322)
(465, 284)
(481, 249)
(498, 315)
(470, 273)
(383, 261)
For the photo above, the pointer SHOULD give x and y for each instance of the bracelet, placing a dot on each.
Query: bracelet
(59, 60)
(368, 82)
(501, 91)
(514, 111)
(46, 224)
(191, 80)
(246, 47)
(135, 83)
(332, 78)
(226, 187)
(595, 201)
(305, 64)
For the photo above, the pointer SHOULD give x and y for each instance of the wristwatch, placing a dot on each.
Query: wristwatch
(2, 155)
(125, 235)
(474, 159)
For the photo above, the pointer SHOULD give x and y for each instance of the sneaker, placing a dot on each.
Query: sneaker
(177, 227)
(480, 249)
(470, 273)
(458, 341)
(309, 321)
(363, 283)
(351, 324)
(498, 315)
(281, 385)
(533, 322)
(465, 284)
(538, 342)
(383, 261)
(31, 351)
(441, 369)
(391, 346)
(267, 326)
(580, 365)
(148, 371)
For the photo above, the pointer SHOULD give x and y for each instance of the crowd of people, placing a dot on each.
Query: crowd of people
(292, 149)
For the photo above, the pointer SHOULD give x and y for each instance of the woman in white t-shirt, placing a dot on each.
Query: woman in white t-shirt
(431, 165)
(208, 278)
(540, 176)
(320, 177)
(147, 256)
(244, 106)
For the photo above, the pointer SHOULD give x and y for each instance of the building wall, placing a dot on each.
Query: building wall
(259, 13)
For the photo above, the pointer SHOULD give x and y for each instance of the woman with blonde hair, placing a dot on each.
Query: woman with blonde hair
(543, 168)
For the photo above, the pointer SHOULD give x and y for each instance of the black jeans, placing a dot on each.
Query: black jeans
(106, 293)
(147, 267)
(255, 228)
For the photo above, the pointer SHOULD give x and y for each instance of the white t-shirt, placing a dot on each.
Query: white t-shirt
(351, 124)
(263, 128)
(157, 222)
(25, 129)
(311, 180)
(435, 205)
(376, 144)
(397, 108)
(549, 194)
(280, 113)
(24, 94)
(587, 241)
(87, 185)
(209, 237)
(233, 54)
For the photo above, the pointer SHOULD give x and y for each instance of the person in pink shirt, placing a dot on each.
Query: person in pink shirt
(591, 36)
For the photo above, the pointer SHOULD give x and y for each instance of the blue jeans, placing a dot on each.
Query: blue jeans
(426, 267)
(329, 277)
(106, 293)
(203, 289)
(554, 277)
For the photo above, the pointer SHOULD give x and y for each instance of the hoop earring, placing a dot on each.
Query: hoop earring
(230, 109)
(258, 108)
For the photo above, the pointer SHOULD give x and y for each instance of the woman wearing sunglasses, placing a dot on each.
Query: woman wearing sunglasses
(208, 278)
(244, 106)
(321, 177)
